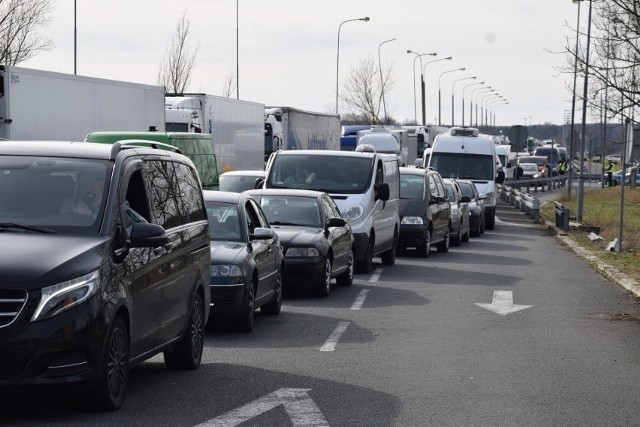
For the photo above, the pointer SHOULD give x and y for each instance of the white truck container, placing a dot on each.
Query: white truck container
(236, 126)
(287, 128)
(45, 105)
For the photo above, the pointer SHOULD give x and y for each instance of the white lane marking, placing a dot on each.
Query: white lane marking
(502, 303)
(301, 409)
(375, 276)
(330, 343)
(357, 305)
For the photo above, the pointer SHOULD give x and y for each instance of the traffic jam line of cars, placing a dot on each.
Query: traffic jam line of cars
(145, 260)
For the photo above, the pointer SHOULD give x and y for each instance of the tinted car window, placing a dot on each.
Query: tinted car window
(190, 194)
(165, 201)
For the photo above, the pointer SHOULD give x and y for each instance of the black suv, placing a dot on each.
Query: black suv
(105, 263)
(425, 212)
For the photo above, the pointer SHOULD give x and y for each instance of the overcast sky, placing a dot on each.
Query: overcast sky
(287, 49)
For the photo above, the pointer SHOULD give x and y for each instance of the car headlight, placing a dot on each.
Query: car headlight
(301, 252)
(63, 296)
(225, 271)
(414, 220)
(352, 213)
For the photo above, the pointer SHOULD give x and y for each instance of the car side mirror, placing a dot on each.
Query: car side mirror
(336, 222)
(259, 183)
(147, 235)
(465, 199)
(438, 199)
(261, 233)
(382, 192)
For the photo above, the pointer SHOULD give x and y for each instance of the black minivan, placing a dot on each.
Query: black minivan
(105, 263)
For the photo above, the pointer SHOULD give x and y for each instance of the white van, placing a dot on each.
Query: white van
(464, 153)
(364, 185)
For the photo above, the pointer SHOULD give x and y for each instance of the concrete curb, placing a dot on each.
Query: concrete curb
(609, 271)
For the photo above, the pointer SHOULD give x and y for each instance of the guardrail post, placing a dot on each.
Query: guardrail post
(562, 216)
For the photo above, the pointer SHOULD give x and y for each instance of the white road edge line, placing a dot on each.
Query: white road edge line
(330, 343)
(375, 276)
(357, 305)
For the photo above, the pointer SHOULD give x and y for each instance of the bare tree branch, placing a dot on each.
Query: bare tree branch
(20, 25)
(177, 65)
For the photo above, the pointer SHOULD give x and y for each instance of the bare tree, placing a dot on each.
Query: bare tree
(20, 22)
(363, 90)
(176, 67)
(229, 86)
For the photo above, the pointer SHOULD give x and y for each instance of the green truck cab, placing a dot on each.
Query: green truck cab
(196, 146)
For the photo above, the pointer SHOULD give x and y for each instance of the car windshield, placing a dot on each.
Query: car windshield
(224, 222)
(291, 210)
(464, 166)
(59, 194)
(328, 173)
(411, 186)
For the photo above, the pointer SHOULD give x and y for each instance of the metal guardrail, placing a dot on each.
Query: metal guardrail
(527, 203)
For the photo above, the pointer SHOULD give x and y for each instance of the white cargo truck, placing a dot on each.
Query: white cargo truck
(236, 126)
(45, 105)
(287, 128)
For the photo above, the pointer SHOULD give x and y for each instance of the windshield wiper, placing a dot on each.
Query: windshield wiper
(8, 225)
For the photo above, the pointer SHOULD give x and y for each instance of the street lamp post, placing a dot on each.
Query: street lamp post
(483, 98)
(453, 85)
(418, 56)
(486, 90)
(75, 39)
(481, 89)
(440, 92)
(424, 118)
(572, 149)
(490, 109)
(463, 89)
(365, 19)
(503, 102)
(384, 104)
(579, 206)
(485, 106)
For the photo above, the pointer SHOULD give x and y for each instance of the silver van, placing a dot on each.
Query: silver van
(364, 185)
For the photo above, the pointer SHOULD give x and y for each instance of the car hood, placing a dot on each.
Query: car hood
(33, 261)
(298, 235)
(223, 252)
(412, 207)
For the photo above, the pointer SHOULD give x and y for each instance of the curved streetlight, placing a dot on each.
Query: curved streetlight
(504, 102)
(365, 19)
(483, 106)
(418, 56)
(453, 119)
(491, 103)
(485, 91)
(448, 58)
(384, 104)
(440, 92)
(463, 89)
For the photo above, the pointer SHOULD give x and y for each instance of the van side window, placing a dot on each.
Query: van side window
(190, 194)
(164, 185)
(136, 196)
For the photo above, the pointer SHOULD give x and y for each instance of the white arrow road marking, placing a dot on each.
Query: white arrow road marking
(502, 303)
(296, 401)
(357, 304)
(375, 276)
(330, 343)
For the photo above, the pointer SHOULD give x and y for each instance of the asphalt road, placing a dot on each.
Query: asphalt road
(408, 346)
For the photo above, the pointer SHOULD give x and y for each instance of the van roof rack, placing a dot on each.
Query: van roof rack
(141, 143)
(464, 131)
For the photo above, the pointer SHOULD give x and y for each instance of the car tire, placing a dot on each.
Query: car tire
(389, 256)
(457, 239)
(323, 287)
(245, 324)
(425, 247)
(114, 372)
(366, 265)
(443, 247)
(490, 221)
(187, 353)
(466, 235)
(273, 307)
(477, 230)
(346, 278)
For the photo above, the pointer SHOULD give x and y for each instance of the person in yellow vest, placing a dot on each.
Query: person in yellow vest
(610, 173)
